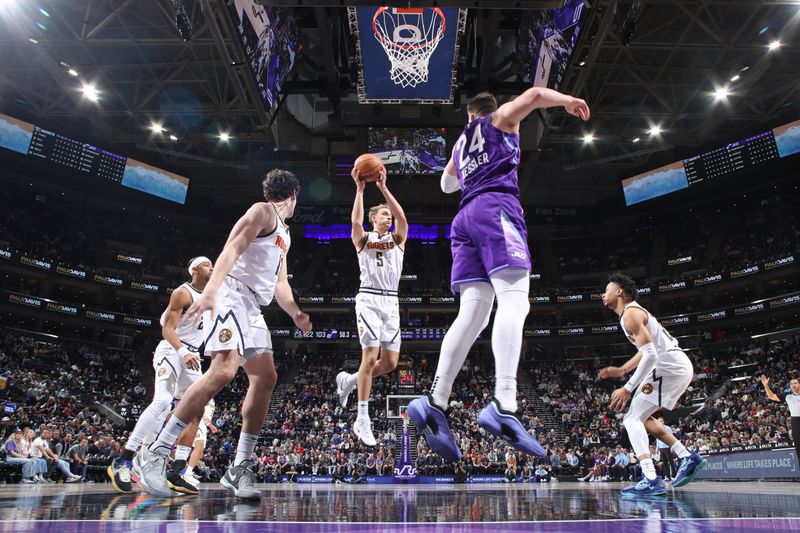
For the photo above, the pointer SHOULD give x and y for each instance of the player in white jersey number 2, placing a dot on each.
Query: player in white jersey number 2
(663, 372)
(250, 270)
(380, 258)
(176, 363)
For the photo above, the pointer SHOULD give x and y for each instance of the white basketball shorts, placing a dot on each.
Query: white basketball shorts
(378, 319)
(238, 323)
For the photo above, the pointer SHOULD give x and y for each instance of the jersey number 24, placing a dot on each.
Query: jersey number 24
(475, 145)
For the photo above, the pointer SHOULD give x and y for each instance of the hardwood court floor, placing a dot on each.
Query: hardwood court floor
(562, 507)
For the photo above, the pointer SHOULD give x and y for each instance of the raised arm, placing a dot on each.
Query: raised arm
(257, 219)
(400, 220)
(357, 232)
(509, 115)
(771, 395)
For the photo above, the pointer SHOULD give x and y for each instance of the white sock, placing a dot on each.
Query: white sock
(182, 452)
(247, 443)
(152, 418)
(511, 286)
(363, 410)
(351, 380)
(473, 316)
(648, 468)
(166, 439)
(680, 450)
(189, 470)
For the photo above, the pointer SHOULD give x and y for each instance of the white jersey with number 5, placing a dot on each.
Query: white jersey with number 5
(381, 262)
(259, 264)
(670, 356)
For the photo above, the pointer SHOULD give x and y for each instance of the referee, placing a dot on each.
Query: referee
(793, 400)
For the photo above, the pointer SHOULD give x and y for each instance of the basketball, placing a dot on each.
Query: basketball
(369, 167)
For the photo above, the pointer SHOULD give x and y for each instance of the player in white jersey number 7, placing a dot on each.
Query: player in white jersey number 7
(250, 270)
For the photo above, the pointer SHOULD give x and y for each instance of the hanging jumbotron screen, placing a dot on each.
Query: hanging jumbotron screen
(406, 54)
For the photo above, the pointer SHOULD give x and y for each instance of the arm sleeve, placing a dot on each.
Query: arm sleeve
(449, 183)
(646, 364)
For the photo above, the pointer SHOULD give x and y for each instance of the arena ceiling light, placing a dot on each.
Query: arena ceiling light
(72, 72)
(735, 78)
(721, 93)
(173, 138)
(774, 45)
(224, 136)
(655, 130)
(90, 92)
(636, 139)
(588, 137)
(156, 127)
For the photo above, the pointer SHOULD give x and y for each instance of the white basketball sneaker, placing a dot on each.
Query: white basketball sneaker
(363, 430)
(342, 389)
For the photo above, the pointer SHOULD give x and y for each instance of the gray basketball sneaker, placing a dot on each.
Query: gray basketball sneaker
(154, 474)
(240, 480)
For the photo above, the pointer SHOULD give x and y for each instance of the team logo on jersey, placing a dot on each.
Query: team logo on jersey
(647, 389)
(225, 335)
(162, 372)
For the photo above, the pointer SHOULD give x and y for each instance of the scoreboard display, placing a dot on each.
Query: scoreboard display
(406, 379)
(780, 142)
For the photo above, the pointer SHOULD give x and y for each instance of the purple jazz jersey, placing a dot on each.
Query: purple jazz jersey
(488, 233)
(486, 159)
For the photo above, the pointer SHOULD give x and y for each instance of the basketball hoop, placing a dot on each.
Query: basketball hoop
(409, 37)
(405, 418)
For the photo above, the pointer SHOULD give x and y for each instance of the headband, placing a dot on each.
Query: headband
(197, 261)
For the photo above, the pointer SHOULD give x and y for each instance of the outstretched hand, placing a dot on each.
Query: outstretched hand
(619, 399)
(578, 108)
(303, 322)
(764, 380)
(204, 302)
(611, 372)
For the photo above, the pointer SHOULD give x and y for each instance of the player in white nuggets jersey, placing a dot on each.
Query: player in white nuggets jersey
(380, 258)
(663, 372)
(176, 363)
(249, 272)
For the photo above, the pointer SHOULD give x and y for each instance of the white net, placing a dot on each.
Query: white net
(409, 37)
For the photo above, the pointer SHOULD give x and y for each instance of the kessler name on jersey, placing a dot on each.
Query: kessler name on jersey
(474, 163)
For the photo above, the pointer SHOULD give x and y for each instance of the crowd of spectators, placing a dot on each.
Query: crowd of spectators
(53, 391)
(308, 433)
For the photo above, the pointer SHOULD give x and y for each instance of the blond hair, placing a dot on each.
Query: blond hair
(374, 211)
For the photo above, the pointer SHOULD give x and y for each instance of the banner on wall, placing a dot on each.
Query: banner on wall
(757, 464)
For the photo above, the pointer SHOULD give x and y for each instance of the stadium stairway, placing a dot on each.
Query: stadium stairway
(542, 410)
